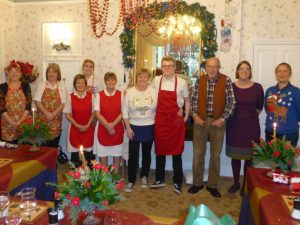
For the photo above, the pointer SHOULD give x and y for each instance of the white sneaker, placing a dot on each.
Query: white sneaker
(129, 187)
(144, 183)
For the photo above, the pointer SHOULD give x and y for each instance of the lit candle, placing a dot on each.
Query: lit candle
(145, 63)
(82, 157)
(274, 130)
(33, 114)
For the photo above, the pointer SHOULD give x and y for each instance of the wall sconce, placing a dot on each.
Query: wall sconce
(60, 36)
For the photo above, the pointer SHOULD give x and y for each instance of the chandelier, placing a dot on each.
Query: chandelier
(181, 31)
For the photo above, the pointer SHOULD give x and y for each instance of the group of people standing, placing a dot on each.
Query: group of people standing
(237, 106)
(156, 113)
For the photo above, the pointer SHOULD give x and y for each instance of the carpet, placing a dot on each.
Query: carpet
(164, 202)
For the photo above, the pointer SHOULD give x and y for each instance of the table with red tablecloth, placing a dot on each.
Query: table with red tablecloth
(126, 218)
(29, 169)
(262, 204)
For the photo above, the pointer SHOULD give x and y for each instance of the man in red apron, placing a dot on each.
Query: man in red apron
(169, 125)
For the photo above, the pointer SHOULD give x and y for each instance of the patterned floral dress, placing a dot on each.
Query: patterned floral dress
(15, 102)
(51, 101)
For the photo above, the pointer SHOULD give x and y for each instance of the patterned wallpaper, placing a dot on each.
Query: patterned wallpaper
(276, 19)
(248, 19)
(7, 21)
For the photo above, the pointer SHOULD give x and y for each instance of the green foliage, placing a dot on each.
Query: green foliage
(87, 190)
(33, 133)
(158, 11)
(278, 151)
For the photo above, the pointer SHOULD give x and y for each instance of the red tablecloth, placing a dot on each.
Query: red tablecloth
(264, 197)
(25, 165)
(127, 218)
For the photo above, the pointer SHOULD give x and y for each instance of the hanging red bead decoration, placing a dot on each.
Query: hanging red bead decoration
(99, 16)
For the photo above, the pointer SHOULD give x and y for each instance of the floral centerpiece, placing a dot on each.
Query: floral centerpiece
(279, 152)
(29, 72)
(34, 133)
(88, 189)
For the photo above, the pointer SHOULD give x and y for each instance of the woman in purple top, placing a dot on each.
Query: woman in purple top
(243, 127)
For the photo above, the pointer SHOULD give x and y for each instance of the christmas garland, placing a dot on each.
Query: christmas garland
(158, 11)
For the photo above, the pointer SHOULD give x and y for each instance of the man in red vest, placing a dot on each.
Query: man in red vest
(169, 127)
(212, 102)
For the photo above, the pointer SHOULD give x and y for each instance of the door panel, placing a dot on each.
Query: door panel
(266, 55)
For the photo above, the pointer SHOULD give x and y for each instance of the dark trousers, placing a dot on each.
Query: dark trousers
(177, 168)
(77, 161)
(292, 137)
(52, 143)
(133, 161)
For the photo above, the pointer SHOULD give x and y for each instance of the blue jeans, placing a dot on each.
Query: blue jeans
(292, 137)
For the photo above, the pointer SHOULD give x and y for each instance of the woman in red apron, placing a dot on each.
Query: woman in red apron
(110, 130)
(169, 124)
(50, 98)
(15, 103)
(79, 112)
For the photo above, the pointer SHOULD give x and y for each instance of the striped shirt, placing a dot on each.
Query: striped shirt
(230, 100)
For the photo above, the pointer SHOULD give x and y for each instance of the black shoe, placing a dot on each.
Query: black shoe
(214, 192)
(194, 189)
(177, 188)
(158, 184)
(234, 188)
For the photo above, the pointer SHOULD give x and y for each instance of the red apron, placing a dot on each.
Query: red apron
(81, 112)
(169, 127)
(110, 109)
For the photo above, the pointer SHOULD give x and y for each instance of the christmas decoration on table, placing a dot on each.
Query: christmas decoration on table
(295, 184)
(87, 190)
(278, 152)
(29, 72)
(160, 11)
(281, 177)
(33, 132)
(4, 144)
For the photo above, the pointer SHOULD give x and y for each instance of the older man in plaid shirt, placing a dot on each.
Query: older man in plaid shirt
(212, 102)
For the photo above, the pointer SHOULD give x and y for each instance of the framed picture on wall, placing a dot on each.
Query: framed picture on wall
(62, 39)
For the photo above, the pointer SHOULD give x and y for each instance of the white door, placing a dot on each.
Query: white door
(266, 55)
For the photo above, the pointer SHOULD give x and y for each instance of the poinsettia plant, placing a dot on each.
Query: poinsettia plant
(34, 133)
(88, 189)
(278, 151)
(29, 72)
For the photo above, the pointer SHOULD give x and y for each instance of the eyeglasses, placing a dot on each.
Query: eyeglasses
(244, 69)
(167, 66)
